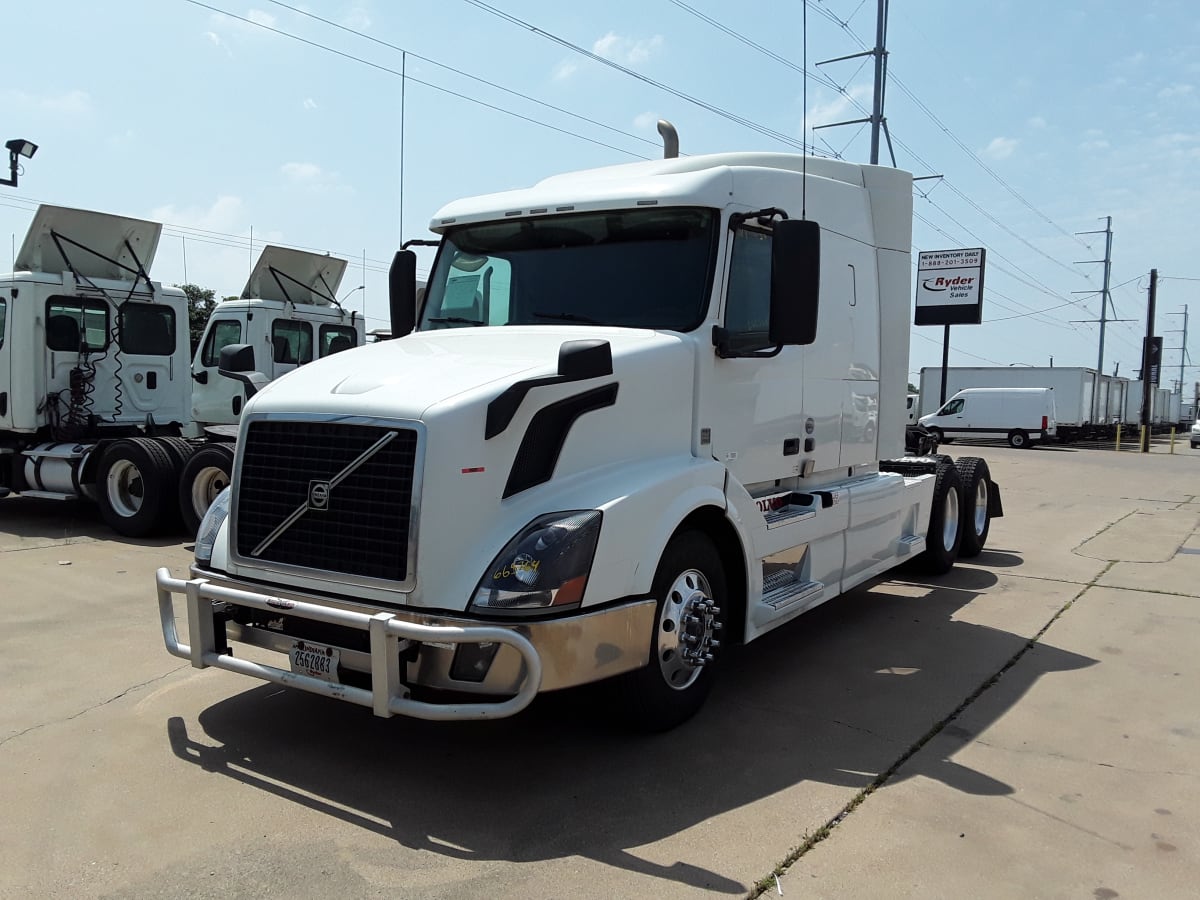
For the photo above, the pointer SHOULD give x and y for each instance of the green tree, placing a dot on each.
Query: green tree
(913, 389)
(201, 303)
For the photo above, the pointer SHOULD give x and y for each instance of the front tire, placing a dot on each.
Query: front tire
(693, 604)
(945, 523)
(976, 488)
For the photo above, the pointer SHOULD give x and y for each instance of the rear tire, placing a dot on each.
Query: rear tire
(976, 488)
(1019, 440)
(692, 608)
(945, 523)
(134, 487)
(205, 475)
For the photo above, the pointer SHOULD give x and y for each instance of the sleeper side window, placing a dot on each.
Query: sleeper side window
(291, 341)
(336, 338)
(76, 323)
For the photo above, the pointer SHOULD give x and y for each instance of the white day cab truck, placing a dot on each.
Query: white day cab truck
(99, 397)
(627, 431)
(1021, 416)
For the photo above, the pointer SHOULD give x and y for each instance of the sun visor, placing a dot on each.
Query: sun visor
(94, 244)
(284, 274)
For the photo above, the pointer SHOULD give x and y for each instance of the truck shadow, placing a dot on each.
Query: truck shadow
(67, 520)
(834, 698)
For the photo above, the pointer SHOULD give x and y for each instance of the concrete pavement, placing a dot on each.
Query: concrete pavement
(127, 775)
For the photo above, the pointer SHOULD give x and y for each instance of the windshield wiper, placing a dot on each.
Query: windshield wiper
(453, 320)
(568, 317)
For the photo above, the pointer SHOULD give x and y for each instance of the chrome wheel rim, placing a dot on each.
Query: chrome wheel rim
(686, 630)
(208, 482)
(950, 522)
(125, 488)
(981, 505)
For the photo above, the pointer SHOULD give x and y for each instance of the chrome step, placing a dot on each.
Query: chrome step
(911, 545)
(792, 593)
(49, 495)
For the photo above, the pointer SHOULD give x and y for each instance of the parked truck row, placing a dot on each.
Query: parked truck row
(640, 413)
(100, 397)
(1088, 405)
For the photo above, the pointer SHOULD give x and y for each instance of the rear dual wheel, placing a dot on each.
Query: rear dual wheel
(135, 487)
(205, 475)
(976, 490)
(944, 537)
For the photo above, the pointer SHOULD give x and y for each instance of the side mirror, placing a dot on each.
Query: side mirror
(237, 362)
(795, 281)
(402, 292)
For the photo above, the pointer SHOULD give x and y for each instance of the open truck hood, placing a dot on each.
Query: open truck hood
(295, 276)
(94, 244)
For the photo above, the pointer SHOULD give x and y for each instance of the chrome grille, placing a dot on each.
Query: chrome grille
(360, 526)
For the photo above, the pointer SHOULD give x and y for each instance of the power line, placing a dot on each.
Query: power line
(415, 80)
(645, 79)
(477, 78)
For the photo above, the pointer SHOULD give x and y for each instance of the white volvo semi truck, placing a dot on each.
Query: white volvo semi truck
(642, 412)
(99, 395)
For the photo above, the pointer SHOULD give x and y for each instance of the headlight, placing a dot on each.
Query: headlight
(546, 565)
(210, 525)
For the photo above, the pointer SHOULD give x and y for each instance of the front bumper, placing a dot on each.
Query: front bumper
(410, 649)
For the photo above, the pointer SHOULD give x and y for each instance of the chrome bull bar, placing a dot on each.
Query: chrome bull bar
(388, 695)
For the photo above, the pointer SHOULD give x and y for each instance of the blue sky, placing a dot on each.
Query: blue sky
(1044, 117)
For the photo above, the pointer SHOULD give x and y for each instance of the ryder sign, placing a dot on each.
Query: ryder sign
(950, 287)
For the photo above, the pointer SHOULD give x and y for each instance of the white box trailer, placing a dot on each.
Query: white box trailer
(1074, 389)
(643, 411)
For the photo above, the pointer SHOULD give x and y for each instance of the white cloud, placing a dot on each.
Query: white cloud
(839, 107)
(1001, 147)
(258, 17)
(221, 23)
(216, 40)
(564, 70)
(310, 103)
(72, 102)
(356, 17)
(1036, 122)
(300, 171)
(625, 50)
(646, 120)
(225, 215)
(1175, 90)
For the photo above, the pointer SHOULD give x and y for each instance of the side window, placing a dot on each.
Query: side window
(336, 338)
(223, 333)
(147, 329)
(748, 300)
(477, 291)
(291, 341)
(74, 323)
(953, 407)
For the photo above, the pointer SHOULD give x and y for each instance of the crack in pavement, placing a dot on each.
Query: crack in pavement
(85, 711)
(811, 840)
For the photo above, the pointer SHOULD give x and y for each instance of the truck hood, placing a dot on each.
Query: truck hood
(404, 378)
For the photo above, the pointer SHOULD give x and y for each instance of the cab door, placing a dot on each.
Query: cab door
(291, 345)
(6, 398)
(217, 400)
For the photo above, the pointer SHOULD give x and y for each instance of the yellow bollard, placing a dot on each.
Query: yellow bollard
(1172, 439)
(1118, 438)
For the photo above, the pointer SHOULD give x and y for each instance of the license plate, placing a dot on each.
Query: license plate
(316, 660)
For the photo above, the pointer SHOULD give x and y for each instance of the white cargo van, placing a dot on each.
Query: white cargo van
(1022, 416)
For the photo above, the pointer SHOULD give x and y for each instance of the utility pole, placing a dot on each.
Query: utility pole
(1104, 301)
(877, 119)
(1147, 367)
(1184, 356)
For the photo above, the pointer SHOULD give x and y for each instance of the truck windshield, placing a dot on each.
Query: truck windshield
(645, 268)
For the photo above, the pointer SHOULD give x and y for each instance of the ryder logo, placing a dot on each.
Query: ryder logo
(940, 283)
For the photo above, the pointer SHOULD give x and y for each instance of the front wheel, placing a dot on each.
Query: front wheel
(691, 614)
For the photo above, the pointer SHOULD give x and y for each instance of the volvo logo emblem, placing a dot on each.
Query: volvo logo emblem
(318, 495)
